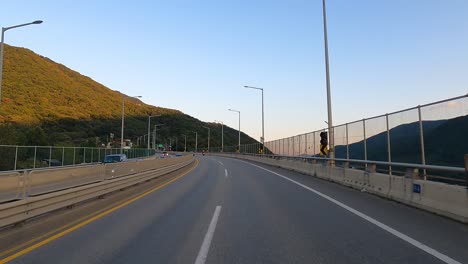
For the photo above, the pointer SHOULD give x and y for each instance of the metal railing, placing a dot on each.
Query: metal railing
(425, 134)
(14, 158)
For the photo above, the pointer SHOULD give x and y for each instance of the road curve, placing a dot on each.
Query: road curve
(231, 211)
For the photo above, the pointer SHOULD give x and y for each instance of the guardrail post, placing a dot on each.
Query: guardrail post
(16, 156)
(35, 153)
(50, 156)
(346, 164)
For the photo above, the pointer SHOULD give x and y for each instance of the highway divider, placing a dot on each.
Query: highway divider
(440, 198)
(46, 200)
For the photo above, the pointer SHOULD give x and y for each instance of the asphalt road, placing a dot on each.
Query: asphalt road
(230, 211)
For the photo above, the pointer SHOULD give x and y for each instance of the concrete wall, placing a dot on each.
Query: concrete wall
(40, 181)
(440, 198)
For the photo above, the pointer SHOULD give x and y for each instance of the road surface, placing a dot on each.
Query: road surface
(231, 211)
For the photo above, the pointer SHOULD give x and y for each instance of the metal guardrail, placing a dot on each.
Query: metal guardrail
(18, 211)
(369, 163)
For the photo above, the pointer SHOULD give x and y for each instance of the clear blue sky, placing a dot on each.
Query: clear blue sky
(195, 56)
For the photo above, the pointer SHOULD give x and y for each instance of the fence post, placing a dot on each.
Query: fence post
(283, 152)
(16, 156)
(365, 140)
(347, 142)
(35, 153)
(299, 147)
(421, 137)
(305, 144)
(63, 155)
(50, 155)
(74, 155)
(389, 150)
(314, 144)
(92, 155)
(99, 155)
(84, 154)
(294, 145)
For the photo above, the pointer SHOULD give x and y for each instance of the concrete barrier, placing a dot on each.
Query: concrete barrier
(18, 211)
(11, 186)
(47, 180)
(440, 198)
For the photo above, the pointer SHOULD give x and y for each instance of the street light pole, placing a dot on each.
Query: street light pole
(123, 117)
(263, 117)
(222, 135)
(331, 137)
(185, 142)
(232, 110)
(208, 138)
(196, 141)
(155, 134)
(2, 44)
(149, 128)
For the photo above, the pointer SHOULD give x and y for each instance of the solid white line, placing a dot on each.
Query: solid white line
(225, 172)
(385, 227)
(203, 253)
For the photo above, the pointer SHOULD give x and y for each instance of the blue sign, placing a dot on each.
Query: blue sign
(416, 188)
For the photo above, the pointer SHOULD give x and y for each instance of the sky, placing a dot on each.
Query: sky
(196, 56)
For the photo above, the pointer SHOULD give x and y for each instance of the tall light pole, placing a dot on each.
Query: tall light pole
(155, 134)
(196, 141)
(232, 110)
(185, 142)
(123, 118)
(208, 138)
(331, 137)
(149, 128)
(263, 117)
(222, 135)
(2, 44)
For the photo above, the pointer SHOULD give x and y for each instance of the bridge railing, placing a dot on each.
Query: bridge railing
(430, 134)
(21, 184)
(17, 158)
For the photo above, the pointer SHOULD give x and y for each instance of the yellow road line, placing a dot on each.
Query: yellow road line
(90, 220)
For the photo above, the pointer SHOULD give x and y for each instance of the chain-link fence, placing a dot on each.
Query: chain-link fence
(432, 134)
(31, 157)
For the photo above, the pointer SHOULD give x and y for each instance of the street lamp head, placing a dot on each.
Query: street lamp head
(138, 96)
(37, 22)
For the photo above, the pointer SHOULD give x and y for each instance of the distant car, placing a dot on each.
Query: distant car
(178, 155)
(163, 155)
(115, 158)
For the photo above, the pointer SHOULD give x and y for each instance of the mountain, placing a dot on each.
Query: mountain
(445, 143)
(46, 103)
